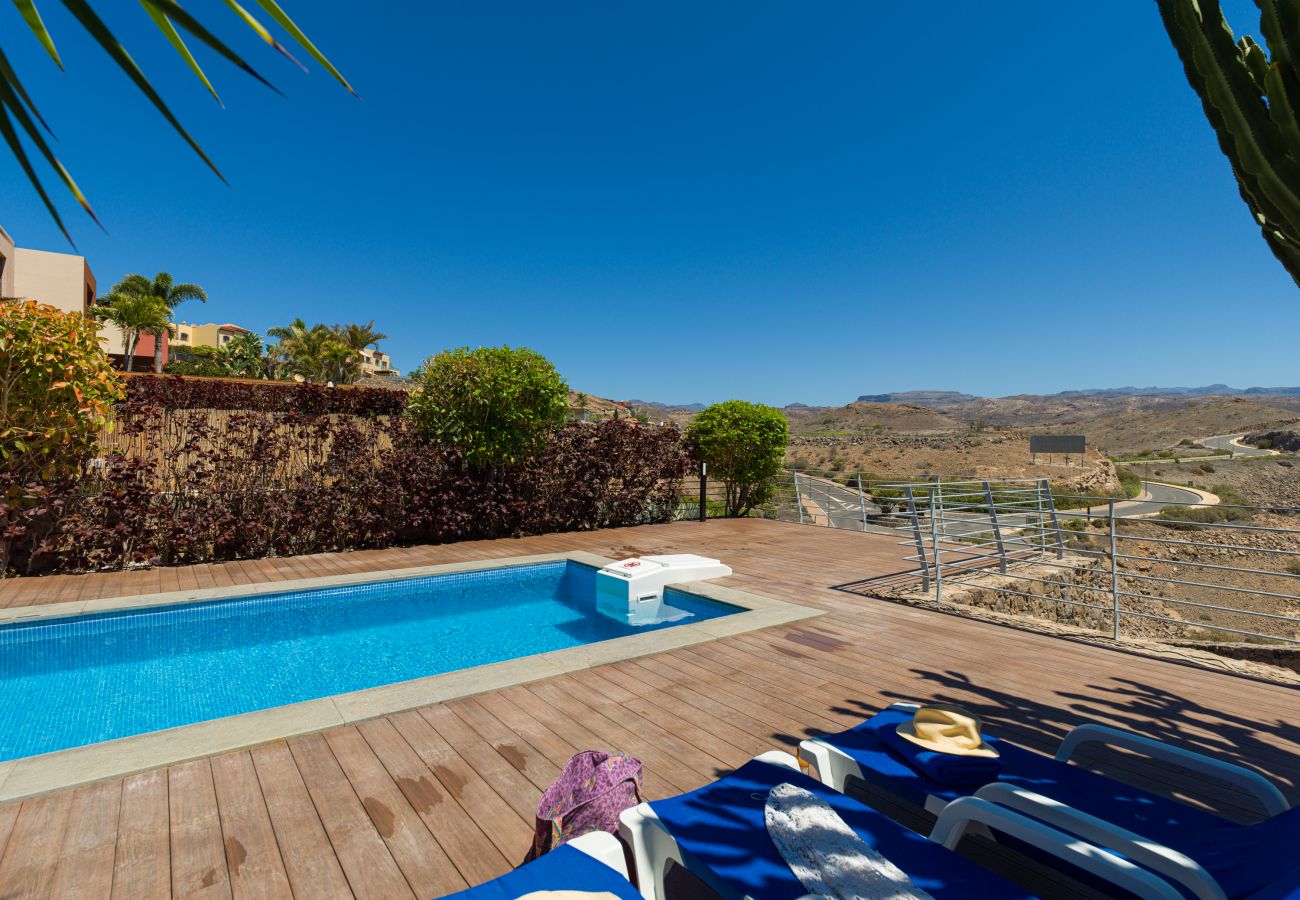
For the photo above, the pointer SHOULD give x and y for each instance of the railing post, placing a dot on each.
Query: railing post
(1114, 573)
(798, 498)
(1046, 490)
(916, 536)
(862, 502)
(704, 491)
(997, 529)
(934, 540)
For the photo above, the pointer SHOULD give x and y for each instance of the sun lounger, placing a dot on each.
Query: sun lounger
(1241, 860)
(591, 863)
(718, 834)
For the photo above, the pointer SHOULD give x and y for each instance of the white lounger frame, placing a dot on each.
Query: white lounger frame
(834, 767)
(602, 847)
(653, 846)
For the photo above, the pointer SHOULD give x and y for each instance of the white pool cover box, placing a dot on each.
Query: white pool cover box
(632, 590)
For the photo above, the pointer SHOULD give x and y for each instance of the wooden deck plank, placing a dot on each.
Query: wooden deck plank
(252, 853)
(85, 869)
(452, 826)
(197, 852)
(424, 863)
(365, 858)
(511, 785)
(527, 760)
(8, 815)
(32, 854)
(142, 864)
(510, 832)
(309, 860)
(441, 796)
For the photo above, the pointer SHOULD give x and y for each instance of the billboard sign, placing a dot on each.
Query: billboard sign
(1070, 444)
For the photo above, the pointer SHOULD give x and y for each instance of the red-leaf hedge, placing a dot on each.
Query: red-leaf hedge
(176, 392)
(263, 475)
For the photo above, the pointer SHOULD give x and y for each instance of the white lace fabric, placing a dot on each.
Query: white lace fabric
(827, 857)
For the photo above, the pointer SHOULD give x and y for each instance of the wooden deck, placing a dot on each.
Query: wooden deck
(431, 800)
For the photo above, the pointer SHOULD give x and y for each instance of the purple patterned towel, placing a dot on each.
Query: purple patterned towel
(593, 789)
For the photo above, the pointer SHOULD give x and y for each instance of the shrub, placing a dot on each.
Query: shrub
(743, 444)
(56, 391)
(1229, 509)
(495, 405)
(1130, 481)
(202, 361)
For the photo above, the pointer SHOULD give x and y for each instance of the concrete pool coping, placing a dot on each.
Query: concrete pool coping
(34, 775)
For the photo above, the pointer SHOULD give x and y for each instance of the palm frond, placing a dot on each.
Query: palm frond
(174, 38)
(261, 31)
(20, 154)
(173, 10)
(281, 17)
(91, 21)
(27, 8)
(17, 110)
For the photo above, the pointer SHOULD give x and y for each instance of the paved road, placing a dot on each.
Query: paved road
(1228, 444)
(1161, 495)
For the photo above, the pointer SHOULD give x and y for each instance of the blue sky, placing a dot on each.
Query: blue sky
(690, 202)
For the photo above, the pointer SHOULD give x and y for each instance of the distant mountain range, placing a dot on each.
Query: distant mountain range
(685, 407)
(926, 398)
(956, 398)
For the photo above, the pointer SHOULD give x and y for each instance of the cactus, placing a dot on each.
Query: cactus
(1252, 100)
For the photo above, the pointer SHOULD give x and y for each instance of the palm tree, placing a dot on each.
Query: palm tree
(168, 16)
(323, 353)
(134, 314)
(341, 363)
(297, 344)
(163, 289)
(242, 356)
(359, 337)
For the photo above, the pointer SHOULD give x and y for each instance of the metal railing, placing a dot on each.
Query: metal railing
(1199, 571)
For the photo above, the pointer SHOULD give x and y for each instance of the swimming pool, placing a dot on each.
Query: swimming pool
(80, 680)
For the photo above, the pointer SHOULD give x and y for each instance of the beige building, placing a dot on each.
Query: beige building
(7, 253)
(377, 362)
(63, 280)
(209, 335)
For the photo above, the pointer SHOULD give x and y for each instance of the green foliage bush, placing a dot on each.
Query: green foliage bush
(495, 405)
(56, 391)
(744, 445)
(1130, 481)
(205, 361)
(1229, 509)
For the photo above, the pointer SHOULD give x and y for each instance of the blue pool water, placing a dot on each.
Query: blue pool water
(74, 681)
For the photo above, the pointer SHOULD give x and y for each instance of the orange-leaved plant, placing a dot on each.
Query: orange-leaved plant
(57, 391)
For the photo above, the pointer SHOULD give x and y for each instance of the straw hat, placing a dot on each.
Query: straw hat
(946, 729)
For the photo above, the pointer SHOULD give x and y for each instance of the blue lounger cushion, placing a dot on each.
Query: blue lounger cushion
(1243, 859)
(563, 869)
(721, 832)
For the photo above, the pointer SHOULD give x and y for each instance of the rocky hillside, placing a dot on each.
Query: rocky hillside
(979, 456)
(861, 417)
(1286, 440)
